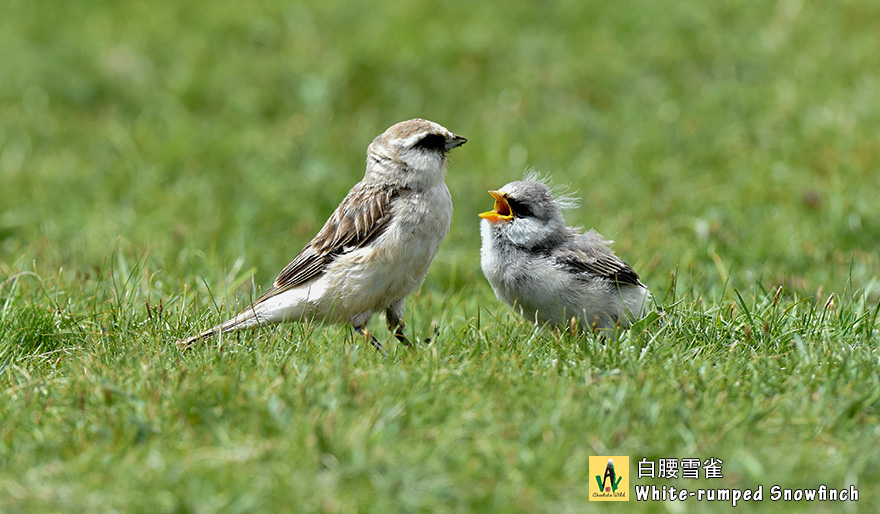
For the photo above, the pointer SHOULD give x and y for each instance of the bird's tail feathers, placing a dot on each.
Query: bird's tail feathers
(245, 319)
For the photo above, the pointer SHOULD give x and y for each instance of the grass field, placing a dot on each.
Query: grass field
(161, 161)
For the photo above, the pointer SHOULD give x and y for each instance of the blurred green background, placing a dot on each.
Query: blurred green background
(716, 137)
(167, 151)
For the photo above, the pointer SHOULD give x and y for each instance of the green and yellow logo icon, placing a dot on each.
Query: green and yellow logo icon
(610, 481)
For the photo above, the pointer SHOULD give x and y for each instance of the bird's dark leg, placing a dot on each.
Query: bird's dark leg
(394, 319)
(376, 344)
(400, 336)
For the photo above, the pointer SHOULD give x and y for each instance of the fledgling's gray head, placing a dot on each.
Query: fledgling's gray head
(526, 214)
(411, 153)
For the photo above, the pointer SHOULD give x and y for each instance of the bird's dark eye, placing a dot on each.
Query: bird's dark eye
(519, 208)
(432, 142)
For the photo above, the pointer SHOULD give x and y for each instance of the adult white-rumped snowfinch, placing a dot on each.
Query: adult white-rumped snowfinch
(376, 247)
(551, 273)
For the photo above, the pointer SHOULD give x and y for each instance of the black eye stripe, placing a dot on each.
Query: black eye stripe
(432, 142)
(519, 208)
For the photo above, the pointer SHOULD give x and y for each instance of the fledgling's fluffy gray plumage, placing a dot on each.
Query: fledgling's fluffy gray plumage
(377, 245)
(551, 273)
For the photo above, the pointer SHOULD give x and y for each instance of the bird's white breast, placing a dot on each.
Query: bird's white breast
(396, 263)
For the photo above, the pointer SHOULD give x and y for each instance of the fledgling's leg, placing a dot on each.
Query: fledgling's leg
(394, 319)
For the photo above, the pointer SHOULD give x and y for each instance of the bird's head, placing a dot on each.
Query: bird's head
(412, 152)
(526, 214)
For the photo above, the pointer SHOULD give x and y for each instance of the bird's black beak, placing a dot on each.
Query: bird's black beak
(454, 141)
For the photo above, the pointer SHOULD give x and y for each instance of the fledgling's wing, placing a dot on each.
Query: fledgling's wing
(362, 216)
(589, 253)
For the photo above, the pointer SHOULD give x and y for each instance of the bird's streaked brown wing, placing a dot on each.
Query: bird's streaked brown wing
(362, 216)
(590, 255)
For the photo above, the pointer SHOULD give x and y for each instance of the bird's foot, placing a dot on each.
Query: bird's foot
(367, 335)
(398, 334)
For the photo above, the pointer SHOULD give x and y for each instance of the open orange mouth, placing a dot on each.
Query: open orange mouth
(502, 210)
